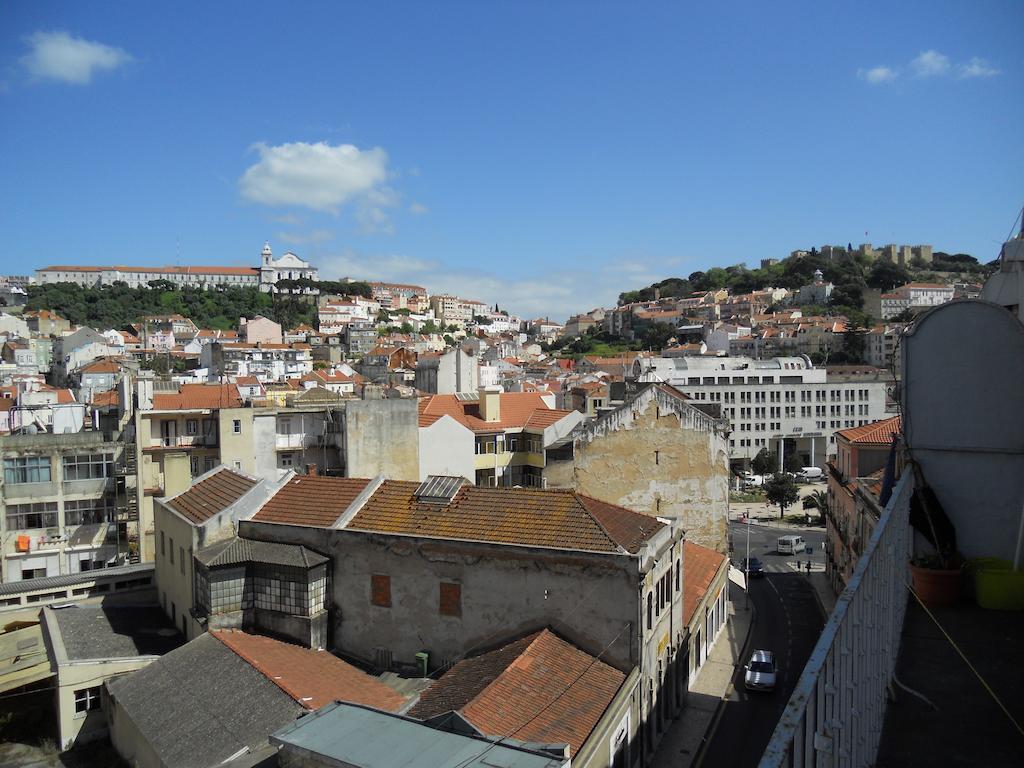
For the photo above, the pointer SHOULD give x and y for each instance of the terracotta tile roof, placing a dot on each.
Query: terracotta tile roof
(211, 495)
(700, 565)
(65, 396)
(198, 396)
(312, 500)
(559, 519)
(191, 270)
(517, 411)
(539, 689)
(312, 678)
(105, 399)
(103, 365)
(877, 433)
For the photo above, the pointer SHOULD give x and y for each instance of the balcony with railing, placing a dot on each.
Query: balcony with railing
(837, 709)
(294, 441)
(167, 442)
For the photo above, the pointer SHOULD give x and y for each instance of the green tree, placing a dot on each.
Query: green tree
(781, 490)
(885, 275)
(764, 462)
(792, 463)
(818, 500)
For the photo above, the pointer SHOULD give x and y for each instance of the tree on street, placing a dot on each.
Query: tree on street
(764, 462)
(819, 501)
(781, 490)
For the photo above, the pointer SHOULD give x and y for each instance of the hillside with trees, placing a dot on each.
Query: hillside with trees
(850, 276)
(117, 305)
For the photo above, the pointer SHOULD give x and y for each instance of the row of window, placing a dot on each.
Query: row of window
(449, 595)
(664, 591)
(36, 469)
(44, 514)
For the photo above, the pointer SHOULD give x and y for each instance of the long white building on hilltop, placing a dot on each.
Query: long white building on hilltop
(777, 402)
(264, 277)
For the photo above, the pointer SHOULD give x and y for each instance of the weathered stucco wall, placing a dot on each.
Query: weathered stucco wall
(658, 456)
(382, 438)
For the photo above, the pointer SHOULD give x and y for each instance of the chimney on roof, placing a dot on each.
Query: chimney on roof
(490, 403)
(311, 470)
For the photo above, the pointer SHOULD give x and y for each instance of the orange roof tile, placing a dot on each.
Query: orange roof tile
(311, 500)
(198, 396)
(876, 433)
(700, 565)
(539, 689)
(211, 495)
(105, 399)
(517, 410)
(312, 678)
(103, 365)
(560, 519)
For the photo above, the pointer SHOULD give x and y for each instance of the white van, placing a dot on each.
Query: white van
(790, 545)
(809, 474)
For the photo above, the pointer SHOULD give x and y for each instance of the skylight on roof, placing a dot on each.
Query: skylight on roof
(438, 489)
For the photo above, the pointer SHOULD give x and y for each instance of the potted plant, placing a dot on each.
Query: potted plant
(936, 577)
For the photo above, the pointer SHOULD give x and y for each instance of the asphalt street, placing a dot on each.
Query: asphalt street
(788, 622)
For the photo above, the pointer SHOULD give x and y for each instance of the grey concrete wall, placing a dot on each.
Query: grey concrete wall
(588, 598)
(382, 438)
(963, 406)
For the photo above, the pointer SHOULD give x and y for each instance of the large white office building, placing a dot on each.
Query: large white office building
(782, 403)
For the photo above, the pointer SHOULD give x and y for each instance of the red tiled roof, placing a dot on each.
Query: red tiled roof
(105, 399)
(312, 678)
(312, 500)
(212, 495)
(559, 519)
(65, 396)
(191, 270)
(517, 410)
(103, 365)
(540, 689)
(198, 396)
(877, 433)
(700, 565)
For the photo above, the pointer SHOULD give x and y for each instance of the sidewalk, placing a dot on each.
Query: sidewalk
(682, 743)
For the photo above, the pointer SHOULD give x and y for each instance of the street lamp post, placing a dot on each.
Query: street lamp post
(746, 564)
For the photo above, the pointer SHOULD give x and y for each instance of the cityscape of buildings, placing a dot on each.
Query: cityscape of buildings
(424, 514)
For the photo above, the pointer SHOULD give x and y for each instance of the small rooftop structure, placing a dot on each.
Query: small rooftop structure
(346, 734)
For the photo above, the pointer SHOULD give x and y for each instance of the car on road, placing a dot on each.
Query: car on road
(759, 674)
(790, 545)
(756, 570)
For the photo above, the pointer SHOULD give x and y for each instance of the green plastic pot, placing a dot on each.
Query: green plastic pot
(996, 585)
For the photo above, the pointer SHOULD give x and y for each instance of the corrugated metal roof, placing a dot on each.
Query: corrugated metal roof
(73, 579)
(348, 734)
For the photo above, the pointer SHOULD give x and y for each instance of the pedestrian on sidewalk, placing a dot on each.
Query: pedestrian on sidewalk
(808, 566)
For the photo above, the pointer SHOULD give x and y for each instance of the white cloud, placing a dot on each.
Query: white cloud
(288, 219)
(877, 75)
(318, 176)
(418, 209)
(59, 56)
(315, 237)
(930, 63)
(977, 68)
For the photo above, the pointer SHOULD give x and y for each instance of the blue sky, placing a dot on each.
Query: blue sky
(545, 156)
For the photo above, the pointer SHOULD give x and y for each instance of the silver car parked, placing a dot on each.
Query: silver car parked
(760, 672)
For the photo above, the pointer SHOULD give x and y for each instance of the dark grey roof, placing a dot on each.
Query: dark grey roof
(105, 632)
(201, 704)
(236, 551)
(136, 570)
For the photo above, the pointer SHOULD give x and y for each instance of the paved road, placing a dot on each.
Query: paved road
(788, 622)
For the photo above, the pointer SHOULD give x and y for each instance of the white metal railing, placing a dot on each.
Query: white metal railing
(297, 440)
(835, 715)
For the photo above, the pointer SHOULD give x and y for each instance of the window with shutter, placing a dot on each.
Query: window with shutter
(380, 590)
(451, 599)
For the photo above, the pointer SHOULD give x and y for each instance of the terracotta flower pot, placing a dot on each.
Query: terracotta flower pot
(935, 586)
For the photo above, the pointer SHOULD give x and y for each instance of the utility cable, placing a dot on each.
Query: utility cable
(967, 661)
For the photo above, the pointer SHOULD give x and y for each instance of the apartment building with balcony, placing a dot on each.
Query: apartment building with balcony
(65, 504)
(783, 404)
(491, 437)
(267, 362)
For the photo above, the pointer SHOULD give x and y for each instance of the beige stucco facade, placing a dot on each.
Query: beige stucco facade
(658, 455)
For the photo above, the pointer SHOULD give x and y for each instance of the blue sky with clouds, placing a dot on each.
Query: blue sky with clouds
(542, 155)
